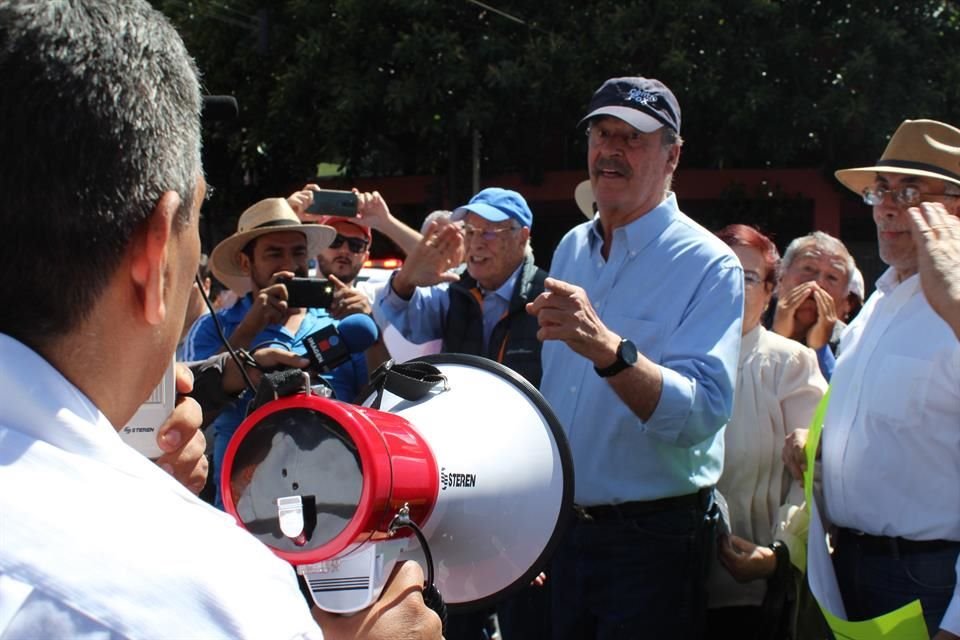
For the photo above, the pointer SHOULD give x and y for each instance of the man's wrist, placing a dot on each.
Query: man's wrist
(781, 557)
(400, 285)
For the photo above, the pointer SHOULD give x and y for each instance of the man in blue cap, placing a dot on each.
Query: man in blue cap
(478, 309)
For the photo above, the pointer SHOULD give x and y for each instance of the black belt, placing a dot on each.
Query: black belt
(628, 510)
(887, 546)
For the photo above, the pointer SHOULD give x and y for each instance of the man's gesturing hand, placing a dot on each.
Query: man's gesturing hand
(565, 313)
(937, 236)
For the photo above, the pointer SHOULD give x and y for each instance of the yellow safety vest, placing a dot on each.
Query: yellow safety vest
(906, 623)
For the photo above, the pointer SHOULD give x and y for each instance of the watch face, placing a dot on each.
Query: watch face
(628, 352)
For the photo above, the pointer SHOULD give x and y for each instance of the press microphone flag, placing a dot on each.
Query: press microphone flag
(332, 346)
(477, 463)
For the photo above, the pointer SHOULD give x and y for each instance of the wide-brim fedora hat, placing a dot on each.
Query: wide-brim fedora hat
(583, 195)
(267, 216)
(918, 148)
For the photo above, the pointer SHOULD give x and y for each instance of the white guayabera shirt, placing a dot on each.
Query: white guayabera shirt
(96, 541)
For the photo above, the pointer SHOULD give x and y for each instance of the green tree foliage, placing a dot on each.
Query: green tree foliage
(388, 87)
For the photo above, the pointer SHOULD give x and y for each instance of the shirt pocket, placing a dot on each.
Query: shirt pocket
(898, 390)
(647, 335)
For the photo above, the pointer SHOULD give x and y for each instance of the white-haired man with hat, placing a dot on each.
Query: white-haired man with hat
(478, 310)
(891, 444)
(640, 320)
(270, 246)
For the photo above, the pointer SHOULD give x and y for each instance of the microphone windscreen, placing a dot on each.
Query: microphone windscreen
(359, 332)
(220, 108)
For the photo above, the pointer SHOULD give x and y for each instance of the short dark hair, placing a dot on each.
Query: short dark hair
(99, 116)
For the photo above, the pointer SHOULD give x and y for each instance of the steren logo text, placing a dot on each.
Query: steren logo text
(457, 479)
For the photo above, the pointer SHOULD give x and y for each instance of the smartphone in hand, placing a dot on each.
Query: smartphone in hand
(334, 203)
(309, 293)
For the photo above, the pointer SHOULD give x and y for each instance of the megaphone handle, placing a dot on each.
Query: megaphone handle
(433, 599)
(431, 595)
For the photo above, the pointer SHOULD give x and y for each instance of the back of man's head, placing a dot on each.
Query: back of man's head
(99, 116)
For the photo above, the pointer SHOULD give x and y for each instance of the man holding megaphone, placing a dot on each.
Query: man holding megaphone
(97, 540)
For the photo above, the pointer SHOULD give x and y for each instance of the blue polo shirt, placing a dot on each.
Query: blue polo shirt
(676, 291)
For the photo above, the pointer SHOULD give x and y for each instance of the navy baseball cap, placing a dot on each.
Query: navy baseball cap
(643, 103)
(496, 205)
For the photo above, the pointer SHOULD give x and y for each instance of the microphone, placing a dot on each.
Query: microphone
(220, 108)
(332, 346)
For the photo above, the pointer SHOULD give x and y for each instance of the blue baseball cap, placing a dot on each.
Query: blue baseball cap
(496, 205)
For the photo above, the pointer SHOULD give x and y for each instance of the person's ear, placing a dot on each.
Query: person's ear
(524, 235)
(149, 259)
(673, 157)
(245, 263)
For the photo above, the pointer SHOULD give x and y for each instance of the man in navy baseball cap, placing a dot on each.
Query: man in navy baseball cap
(643, 103)
(639, 364)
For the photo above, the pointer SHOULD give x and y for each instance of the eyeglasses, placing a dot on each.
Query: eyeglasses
(752, 279)
(598, 136)
(356, 245)
(908, 196)
(469, 232)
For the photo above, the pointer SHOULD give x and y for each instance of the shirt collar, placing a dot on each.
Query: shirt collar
(642, 231)
(62, 415)
(889, 281)
(748, 343)
(505, 290)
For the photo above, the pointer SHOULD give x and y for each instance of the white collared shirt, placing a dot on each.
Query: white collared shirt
(96, 540)
(891, 436)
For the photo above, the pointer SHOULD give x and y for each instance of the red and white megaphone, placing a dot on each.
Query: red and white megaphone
(475, 464)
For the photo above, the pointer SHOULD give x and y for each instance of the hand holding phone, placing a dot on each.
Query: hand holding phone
(334, 203)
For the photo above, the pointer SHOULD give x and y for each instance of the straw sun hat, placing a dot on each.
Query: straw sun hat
(267, 216)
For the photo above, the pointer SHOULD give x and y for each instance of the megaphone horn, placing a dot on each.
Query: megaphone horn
(478, 466)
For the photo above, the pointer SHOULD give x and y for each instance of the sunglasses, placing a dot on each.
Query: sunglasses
(356, 245)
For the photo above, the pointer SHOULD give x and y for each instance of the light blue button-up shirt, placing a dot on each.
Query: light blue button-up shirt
(422, 318)
(676, 291)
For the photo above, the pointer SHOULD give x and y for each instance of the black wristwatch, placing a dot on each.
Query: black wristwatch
(626, 357)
